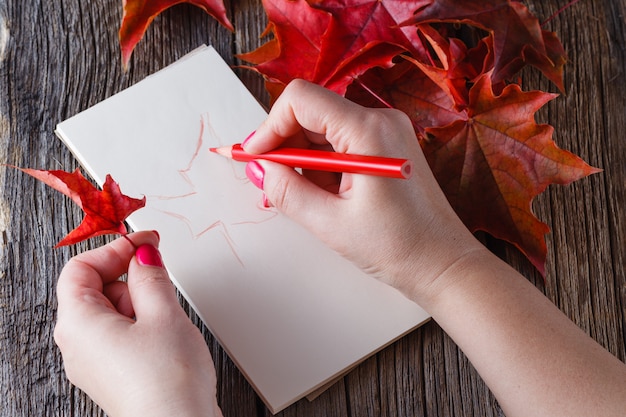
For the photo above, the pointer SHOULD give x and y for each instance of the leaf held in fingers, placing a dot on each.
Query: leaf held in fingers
(105, 210)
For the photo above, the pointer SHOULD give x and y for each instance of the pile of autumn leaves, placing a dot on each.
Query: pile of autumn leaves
(450, 66)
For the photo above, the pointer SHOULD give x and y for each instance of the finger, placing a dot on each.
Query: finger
(83, 278)
(304, 110)
(151, 291)
(117, 293)
(296, 196)
(328, 181)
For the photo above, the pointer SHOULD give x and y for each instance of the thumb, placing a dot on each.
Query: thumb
(149, 286)
(291, 193)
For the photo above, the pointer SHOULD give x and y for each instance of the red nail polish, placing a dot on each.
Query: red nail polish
(255, 173)
(243, 144)
(266, 201)
(148, 255)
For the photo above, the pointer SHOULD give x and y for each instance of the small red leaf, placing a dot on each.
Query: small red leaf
(105, 210)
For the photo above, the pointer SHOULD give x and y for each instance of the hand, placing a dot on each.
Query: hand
(405, 233)
(394, 229)
(131, 347)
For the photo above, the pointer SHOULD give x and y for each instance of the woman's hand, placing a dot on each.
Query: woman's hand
(131, 347)
(394, 229)
(533, 358)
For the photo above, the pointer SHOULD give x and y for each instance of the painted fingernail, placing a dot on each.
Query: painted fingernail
(266, 202)
(157, 234)
(148, 255)
(243, 144)
(255, 173)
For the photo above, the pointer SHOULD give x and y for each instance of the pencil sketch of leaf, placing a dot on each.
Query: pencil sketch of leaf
(213, 195)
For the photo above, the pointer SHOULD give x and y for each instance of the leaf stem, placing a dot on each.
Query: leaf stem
(125, 236)
(418, 128)
(558, 12)
(376, 96)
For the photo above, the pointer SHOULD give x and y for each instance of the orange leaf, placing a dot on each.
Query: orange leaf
(295, 49)
(494, 161)
(105, 211)
(138, 14)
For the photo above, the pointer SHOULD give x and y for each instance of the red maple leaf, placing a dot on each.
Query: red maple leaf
(138, 14)
(496, 159)
(456, 67)
(517, 35)
(405, 87)
(105, 211)
(295, 49)
(357, 25)
(332, 43)
(479, 134)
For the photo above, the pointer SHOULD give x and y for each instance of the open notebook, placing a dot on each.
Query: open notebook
(291, 313)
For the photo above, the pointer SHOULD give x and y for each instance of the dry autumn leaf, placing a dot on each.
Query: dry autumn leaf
(494, 161)
(479, 134)
(517, 35)
(105, 210)
(138, 14)
(450, 66)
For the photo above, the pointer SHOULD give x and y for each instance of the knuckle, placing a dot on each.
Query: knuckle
(60, 335)
(62, 338)
(392, 118)
(294, 88)
(297, 84)
(156, 279)
(393, 128)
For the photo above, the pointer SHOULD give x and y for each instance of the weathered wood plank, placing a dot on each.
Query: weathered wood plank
(59, 58)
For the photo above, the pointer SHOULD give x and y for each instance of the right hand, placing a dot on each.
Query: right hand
(404, 232)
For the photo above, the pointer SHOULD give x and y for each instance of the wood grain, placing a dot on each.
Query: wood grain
(58, 58)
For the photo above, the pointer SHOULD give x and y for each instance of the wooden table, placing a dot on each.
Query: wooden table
(58, 58)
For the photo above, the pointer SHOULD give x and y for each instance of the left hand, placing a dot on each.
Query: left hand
(130, 346)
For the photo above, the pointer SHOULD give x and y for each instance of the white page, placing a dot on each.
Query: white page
(290, 312)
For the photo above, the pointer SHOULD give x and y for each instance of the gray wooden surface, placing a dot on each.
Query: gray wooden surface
(58, 58)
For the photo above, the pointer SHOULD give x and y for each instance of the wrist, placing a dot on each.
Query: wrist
(427, 277)
(184, 396)
(468, 276)
(192, 407)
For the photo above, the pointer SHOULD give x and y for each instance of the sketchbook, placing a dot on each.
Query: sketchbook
(291, 313)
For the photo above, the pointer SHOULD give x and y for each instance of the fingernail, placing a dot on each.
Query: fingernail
(243, 144)
(266, 201)
(157, 234)
(255, 173)
(148, 255)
